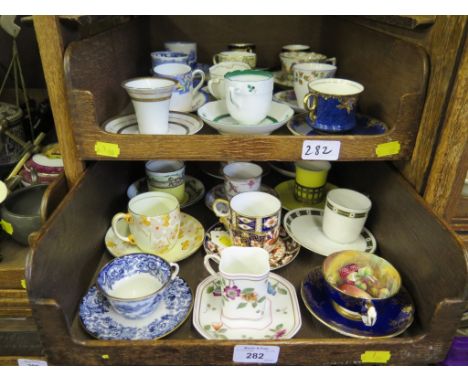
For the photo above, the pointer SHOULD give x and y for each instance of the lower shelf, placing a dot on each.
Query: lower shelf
(70, 251)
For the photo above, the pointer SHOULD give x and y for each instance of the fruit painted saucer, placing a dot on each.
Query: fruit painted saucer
(282, 318)
(284, 252)
(285, 192)
(365, 125)
(304, 225)
(396, 318)
(101, 321)
(216, 115)
(179, 124)
(217, 192)
(191, 234)
(288, 97)
(194, 190)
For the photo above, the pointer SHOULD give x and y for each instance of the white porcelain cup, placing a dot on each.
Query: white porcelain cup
(243, 272)
(151, 97)
(345, 214)
(241, 177)
(187, 47)
(249, 94)
(306, 72)
(184, 92)
(217, 73)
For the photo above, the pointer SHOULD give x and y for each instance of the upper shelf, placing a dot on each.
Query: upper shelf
(394, 73)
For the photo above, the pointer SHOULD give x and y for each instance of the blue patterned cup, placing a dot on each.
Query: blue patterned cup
(135, 284)
(332, 104)
(187, 47)
(360, 285)
(168, 57)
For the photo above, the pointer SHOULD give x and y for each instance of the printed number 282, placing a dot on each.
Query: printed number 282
(254, 355)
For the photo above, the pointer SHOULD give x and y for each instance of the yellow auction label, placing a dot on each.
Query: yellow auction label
(107, 149)
(7, 227)
(23, 283)
(389, 148)
(376, 356)
(105, 356)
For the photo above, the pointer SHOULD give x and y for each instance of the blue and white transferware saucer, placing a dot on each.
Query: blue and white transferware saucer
(102, 322)
(365, 125)
(282, 319)
(396, 318)
(304, 225)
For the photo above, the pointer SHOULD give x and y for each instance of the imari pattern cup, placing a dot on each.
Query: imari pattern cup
(252, 218)
(243, 273)
(332, 103)
(154, 221)
(151, 97)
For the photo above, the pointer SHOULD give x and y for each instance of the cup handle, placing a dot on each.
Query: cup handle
(121, 215)
(174, 270)
(369, 314)
(232, 97)
(312, 108)
(211, 84)
(219, 212)
(331, 60)
(215, 59)
(206, 263)
(200, 73)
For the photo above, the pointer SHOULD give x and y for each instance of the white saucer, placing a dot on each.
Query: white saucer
(199, 100)
(282, 320)
(304, 225)
(191, 235)
(288, 97)
(179, 124)
(281, 81)
(194, 190)
(216, 115)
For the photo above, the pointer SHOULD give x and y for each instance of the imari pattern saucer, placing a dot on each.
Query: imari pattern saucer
(285, 251)
(365, 125)
(179, 124)
(285, 192)
(394, 320)
(282, 319)
(194, 190)
(304, 225)
(218, 192)
(101, 321)
(190, 239)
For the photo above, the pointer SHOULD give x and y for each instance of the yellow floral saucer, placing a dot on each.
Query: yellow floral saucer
(285, 192)
(191, 236)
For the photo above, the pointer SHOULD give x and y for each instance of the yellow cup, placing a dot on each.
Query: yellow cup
(311, 178)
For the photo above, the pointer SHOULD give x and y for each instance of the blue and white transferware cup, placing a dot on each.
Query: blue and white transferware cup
(184, 92)
(134, 284)
(187, 47)
(360, 285)
(332, 104)
(168, 57)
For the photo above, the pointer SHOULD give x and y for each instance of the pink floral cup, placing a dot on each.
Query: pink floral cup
(243, 272)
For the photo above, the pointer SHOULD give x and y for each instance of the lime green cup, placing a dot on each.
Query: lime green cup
(311, 178)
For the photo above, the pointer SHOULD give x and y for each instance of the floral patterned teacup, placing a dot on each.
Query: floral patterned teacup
(252, 218)
(243, 273)
(241, 177)
(154, 221)
(184, 92)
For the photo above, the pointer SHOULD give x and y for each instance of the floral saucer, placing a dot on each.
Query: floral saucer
(288, 97)
(284, 252)
(215, 169)
(285, 191)
(217, 192)
(101, 321)
(281, 80)
(282, 318)
(365, 125)
(396, 318)
(179, 124)
(194, 190)
(191, 235)
(216, 115)
(304, 225)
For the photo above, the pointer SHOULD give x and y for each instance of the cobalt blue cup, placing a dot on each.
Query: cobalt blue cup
(331, 103)
(360, 285)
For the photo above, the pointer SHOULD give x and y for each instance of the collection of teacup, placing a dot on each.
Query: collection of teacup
(139, 294)
(245, 103)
